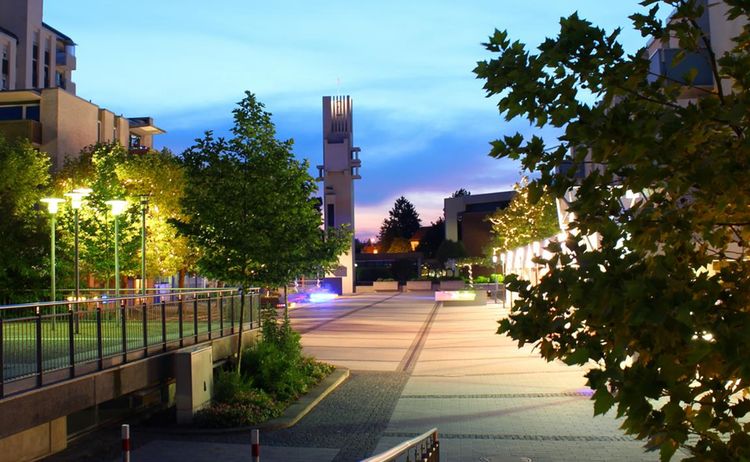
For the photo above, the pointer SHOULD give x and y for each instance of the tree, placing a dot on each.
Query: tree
(403, 221)
(113, 173)
(450, 250)
(461, 193)
(249, 206)
(522, 221)
(433, 237)
(24, 255)
(658, 310)
(400, 245)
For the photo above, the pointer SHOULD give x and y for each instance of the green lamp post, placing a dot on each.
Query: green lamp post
(53, 204)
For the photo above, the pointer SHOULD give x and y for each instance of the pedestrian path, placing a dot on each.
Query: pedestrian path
(416, 365)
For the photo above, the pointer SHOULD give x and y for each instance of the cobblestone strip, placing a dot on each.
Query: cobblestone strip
(341, 316)
(484, 436)
(412, 354)
(352, 418)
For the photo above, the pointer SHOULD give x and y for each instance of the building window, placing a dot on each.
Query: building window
(135, 141)
(35, 66)
(5, 73)
(329, 216)
(47, 77)
(11, 112)
(32, 113)
(98, 131)
(60, 80)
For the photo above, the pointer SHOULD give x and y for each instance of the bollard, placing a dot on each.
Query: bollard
(125, 443)
(255, 444)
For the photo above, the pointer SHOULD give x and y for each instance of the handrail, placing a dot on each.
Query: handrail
(125, 298)
(40, 346)
(431, 452)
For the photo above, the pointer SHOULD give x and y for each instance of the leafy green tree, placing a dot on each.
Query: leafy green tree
(400, 245)
(113, 173)
(461, 193)
(522, 221)
(159, 176)
(24, 226)
(403, 221)
(450, 250)
(249, 206)
(658, 310)
(433, 237)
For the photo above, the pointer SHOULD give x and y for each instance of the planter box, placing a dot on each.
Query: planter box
(461, 297)
(365, 290)
(385, 286)
(412, 286)
(452, 285)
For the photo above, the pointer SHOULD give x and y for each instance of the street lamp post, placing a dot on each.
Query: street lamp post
(118, 206)
(52, 207)
(144, 209)
(76, 201)
(497, 276)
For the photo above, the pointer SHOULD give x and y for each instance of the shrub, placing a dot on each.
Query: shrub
(274, 372)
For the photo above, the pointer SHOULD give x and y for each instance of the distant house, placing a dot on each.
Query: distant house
(466, 218)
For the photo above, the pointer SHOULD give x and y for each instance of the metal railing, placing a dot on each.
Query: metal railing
(43, 343)
(423, 448)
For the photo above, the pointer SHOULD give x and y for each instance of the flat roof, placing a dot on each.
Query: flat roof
(60, 35)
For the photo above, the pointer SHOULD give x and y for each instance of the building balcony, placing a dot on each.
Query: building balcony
(29, 129)
(65, 59)
(138, 149)
(663, 64)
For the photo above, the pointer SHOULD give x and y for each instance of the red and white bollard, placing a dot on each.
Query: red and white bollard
(125, 443)
(255, 444)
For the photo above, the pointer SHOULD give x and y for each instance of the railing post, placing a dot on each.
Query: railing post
(179, 318)
(123, 317)
(208, 310)
(99, 346)
(231, 313)
(71, 342)
(164, 325)
(145, 330)
(252, 308)
(195, 317)
(221, 315)
(2, 361)
(239, 328)
(39, 365)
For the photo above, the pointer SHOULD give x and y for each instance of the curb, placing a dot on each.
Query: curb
(293, 414)
(297, 410)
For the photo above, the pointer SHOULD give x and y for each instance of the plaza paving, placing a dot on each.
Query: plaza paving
(417, 365)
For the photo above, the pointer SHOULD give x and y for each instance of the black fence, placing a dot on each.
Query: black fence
(48, 342)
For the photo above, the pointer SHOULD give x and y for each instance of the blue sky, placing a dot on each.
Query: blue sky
(421, 117)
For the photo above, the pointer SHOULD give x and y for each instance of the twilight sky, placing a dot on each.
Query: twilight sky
(420, 116)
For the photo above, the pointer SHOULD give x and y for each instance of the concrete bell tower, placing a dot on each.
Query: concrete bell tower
(339, 170)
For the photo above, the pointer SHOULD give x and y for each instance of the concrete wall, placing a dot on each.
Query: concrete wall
(35, 443)
(68, 125)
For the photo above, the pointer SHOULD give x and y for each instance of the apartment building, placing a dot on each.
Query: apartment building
(38, 98)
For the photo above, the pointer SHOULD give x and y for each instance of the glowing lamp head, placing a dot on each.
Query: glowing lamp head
(494, 259)
(77, 196)
(52, 204)
(118, 206)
